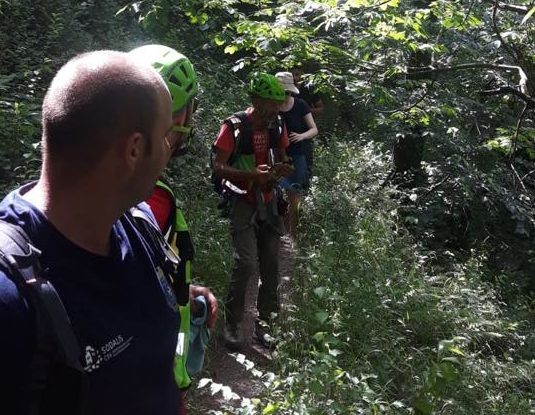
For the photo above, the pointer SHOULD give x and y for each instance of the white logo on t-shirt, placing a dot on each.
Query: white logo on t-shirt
(95, 357)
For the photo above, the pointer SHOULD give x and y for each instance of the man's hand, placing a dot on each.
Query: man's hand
(262, 175)
(282, 170)
(295, 137)
(211, 303)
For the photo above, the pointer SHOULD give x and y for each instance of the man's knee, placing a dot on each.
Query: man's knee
(244, 263)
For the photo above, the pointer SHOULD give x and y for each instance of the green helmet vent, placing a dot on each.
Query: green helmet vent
(175, 69)
(266, 86)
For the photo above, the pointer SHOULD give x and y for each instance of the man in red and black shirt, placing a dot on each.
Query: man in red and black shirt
(254, 221)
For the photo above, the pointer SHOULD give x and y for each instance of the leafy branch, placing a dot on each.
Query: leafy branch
(520, 91)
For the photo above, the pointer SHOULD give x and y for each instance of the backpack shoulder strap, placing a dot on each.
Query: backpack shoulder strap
(150, 229)
(55, 338)
(242, 133)
(171, 261)
(21, 259)
(275, 133)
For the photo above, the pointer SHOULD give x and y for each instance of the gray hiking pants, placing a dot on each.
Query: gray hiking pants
(254, 242)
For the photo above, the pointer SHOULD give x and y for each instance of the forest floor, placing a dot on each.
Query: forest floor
(222, 366)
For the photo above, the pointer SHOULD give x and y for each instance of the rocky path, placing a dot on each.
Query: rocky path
(222, 367)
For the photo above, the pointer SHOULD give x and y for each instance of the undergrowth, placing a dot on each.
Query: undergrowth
(376, 324)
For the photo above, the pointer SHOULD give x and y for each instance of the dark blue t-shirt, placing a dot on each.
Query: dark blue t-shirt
(295, 123)
(125, 327)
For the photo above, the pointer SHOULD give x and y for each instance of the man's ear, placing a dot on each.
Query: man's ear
(179, 117)
(133, 149)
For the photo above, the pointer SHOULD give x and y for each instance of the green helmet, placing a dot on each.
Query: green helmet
(266, 86)
(175, 69)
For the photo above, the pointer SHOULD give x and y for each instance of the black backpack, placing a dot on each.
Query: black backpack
(58, 382)
(243, 143)
(57, 356)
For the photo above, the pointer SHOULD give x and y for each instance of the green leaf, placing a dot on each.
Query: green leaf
(322, 316)
(397, 35)
(270, 409)
(444, 345)
(452, 359)
(357, 3)
(447, 370)
(391, 3)
(456, 350)
(335, 352)
(423, 406)
(320, 291)
(231, 49)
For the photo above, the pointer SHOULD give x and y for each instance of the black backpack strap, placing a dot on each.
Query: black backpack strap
(171, 261)
(242, 134)
(245, 146)
(56, 342)
(275, 133)
(150, 229)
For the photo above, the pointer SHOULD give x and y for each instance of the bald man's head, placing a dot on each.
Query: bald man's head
(94, 99)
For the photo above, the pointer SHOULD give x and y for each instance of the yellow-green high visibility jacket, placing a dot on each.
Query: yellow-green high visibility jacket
(178, 236)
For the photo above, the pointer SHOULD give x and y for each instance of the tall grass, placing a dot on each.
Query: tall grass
(375, 325)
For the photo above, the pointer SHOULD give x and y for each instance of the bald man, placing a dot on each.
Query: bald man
(106, 119)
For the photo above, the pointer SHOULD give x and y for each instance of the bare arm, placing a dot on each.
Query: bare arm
(259, 176)
(308, 134)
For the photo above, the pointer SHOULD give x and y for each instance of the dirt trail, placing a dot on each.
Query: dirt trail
(222, 367)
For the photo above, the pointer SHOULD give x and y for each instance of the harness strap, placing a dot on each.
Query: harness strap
(179, 281)
(22, 259)
(172, 261)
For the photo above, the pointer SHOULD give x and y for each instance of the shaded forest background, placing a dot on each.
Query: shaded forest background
(413, 292)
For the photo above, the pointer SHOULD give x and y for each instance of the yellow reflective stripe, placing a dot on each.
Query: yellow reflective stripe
(188, 272)
(180, 224)
(182, 378)
(164, 186)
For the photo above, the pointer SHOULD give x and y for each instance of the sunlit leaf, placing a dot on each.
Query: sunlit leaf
(320, 291)
(271, 408)
(528, 15)
(231, 49)
(322, 316)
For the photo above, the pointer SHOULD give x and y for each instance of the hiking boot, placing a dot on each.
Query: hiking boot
(232, 337)
(262, 333)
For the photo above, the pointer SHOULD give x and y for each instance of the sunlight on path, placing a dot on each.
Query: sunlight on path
(229, 377)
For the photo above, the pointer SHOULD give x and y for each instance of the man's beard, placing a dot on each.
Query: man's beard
(267, 119)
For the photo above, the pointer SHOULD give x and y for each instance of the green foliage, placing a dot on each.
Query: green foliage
(507, 141)
(376, 324)
(411, 295)
(36, 38)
